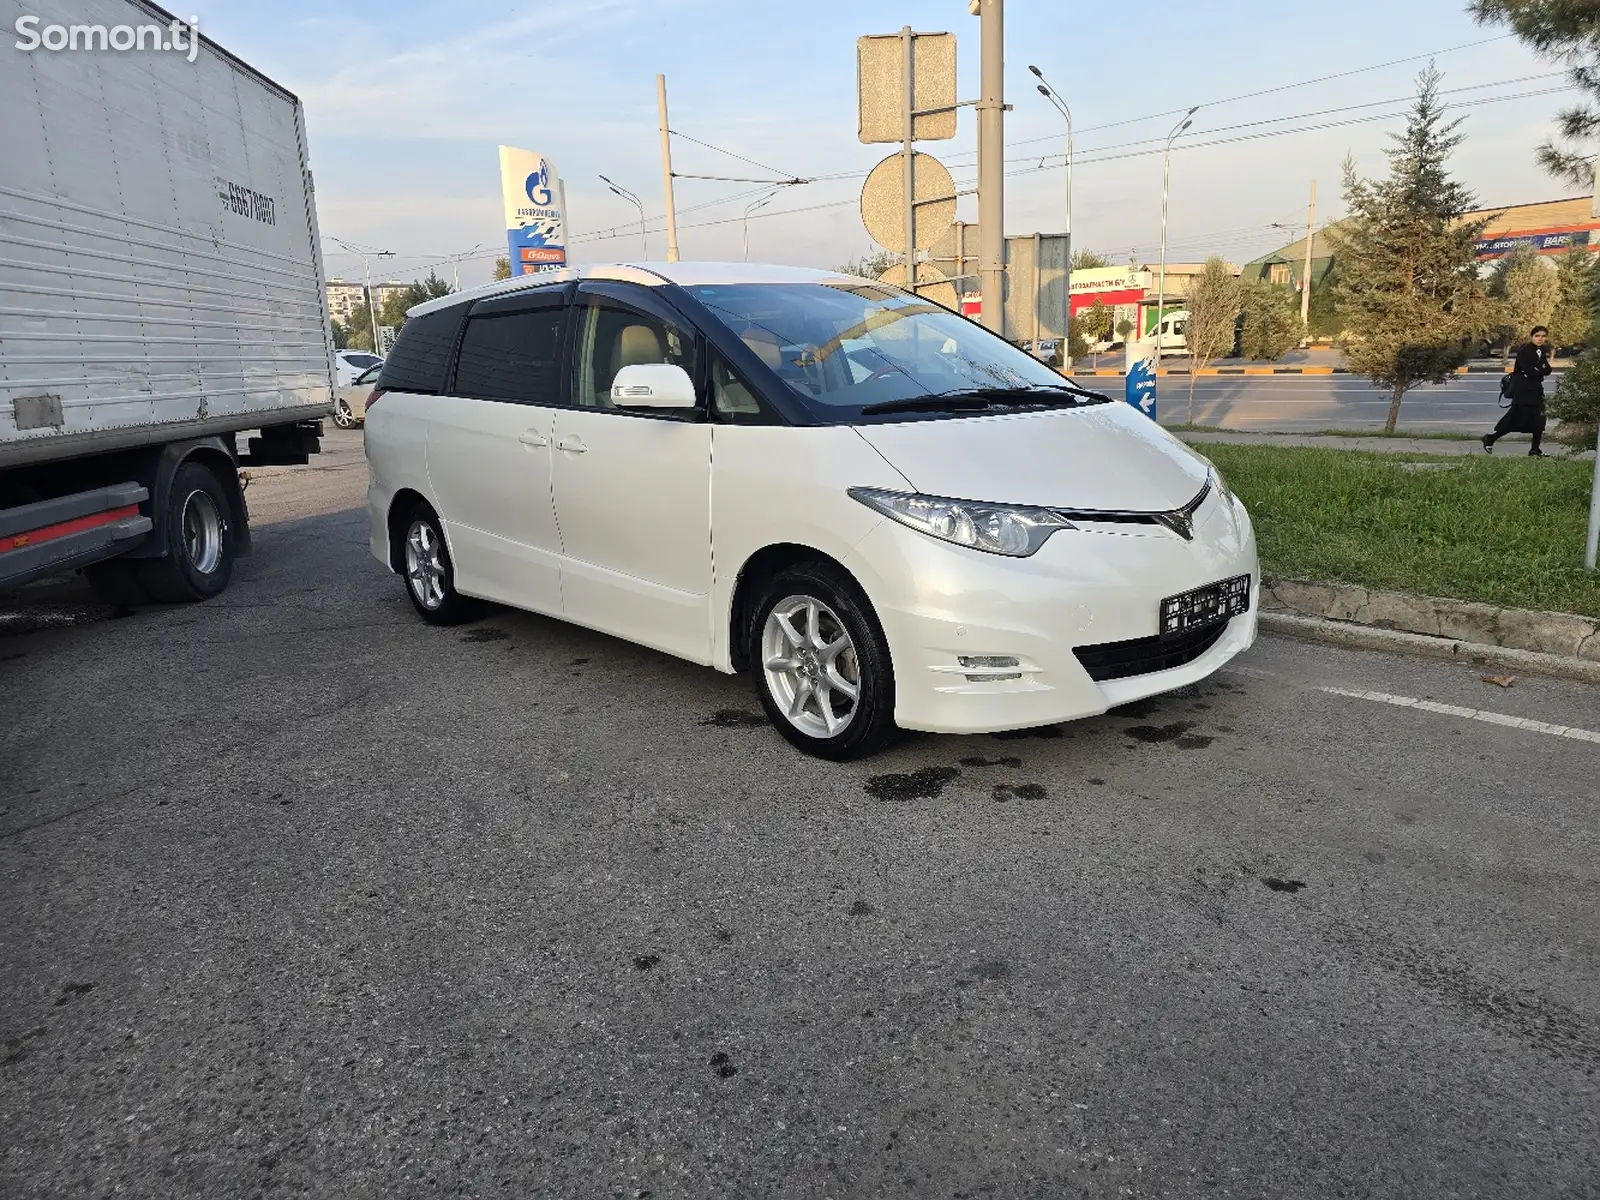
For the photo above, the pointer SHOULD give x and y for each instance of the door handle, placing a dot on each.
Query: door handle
(530, 438)
(572, 445)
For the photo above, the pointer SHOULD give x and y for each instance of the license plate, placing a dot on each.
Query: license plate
(1205, 606)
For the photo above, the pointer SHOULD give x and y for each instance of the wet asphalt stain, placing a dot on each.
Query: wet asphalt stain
(72, 991)
(1017, 735)
(1098, 782)
(487, 634)
(1372, 856)
(17, 1048)
(1538, 1021)
(645, 961)
(1282, 885)
(578, 662)
(1224, 728)
(1022, 791)
(724, 936)
(1194, 741)
(861, 909)
(924, 784)
(724, 1066)
(977, 760)
(733, 718)
(991, 970)
(1159, 733)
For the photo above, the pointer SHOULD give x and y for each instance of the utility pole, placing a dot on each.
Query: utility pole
(908, 163)
(366, 271)
(1055, 98)
(666, 169)
(1305, 279)
(992, 163)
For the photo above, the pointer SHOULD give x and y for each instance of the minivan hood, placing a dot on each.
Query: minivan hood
(1109, 456)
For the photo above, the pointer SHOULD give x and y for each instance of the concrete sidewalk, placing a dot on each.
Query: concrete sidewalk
(1513, 446)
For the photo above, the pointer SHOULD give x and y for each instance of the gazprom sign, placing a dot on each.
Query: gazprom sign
(535, 208)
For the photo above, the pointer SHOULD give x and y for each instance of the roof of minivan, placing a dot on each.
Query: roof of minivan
(650, 274)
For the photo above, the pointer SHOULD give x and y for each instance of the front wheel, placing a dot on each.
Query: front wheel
(821, 663)
(343, 417)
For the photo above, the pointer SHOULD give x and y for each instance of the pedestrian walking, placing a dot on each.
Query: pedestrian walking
(1525, 388)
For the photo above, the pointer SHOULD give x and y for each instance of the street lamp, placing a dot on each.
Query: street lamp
(761, 203)
(627, 195)
(366, 270)
(1061, 106)
(1166, 177)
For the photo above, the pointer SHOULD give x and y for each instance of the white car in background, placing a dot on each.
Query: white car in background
(883, 512)
(353, 362)
(350, 399)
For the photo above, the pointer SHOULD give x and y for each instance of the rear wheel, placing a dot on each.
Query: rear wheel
(821, 663)
(430, 575)
(199, 536)
(342, 416)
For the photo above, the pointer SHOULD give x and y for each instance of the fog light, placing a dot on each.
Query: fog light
(986, 661)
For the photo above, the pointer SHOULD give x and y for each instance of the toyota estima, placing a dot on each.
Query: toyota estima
(885, 513)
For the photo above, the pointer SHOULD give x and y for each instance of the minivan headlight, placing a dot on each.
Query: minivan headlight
(1007, 529)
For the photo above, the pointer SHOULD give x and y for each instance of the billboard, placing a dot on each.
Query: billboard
(1545, 241)
(535, 207)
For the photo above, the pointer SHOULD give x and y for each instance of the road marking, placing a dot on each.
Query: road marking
(1474, 714)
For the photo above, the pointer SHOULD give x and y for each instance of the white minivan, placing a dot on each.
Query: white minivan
(887, 515)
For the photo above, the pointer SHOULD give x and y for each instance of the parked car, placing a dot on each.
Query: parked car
(353, 363)
(350, 400)
(1170, 333)
(883, 512)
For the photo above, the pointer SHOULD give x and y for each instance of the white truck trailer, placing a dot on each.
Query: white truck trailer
(161, 292)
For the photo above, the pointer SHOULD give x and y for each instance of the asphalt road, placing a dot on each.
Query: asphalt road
(304, 897)
(1302, 403)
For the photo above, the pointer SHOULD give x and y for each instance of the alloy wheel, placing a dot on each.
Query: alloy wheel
(425, 565)
(811, 666)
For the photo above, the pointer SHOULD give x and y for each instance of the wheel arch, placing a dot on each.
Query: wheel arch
(217, 457)
(400, 505)
(754, 574)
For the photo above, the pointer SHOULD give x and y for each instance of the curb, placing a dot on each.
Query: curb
(1369, 637)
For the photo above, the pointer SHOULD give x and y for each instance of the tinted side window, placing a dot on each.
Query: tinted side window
(612, 338)
(512, 356)
(421, 353)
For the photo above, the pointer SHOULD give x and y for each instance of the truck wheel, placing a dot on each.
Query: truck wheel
(117, 582)
(199, 538)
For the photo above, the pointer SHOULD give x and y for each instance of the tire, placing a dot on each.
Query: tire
(200, 540)
(820, 603)
(117, 582)
(342, 416)
(429, 575)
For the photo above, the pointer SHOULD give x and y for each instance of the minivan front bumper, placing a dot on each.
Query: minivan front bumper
(956, 617)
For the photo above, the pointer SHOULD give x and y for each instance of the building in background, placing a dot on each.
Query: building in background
(382, 291)
(344, 299)
(1286, 265)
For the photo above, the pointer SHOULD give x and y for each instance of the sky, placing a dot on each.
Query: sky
(406, 102)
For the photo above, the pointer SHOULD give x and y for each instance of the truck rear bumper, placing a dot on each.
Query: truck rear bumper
(52, 536)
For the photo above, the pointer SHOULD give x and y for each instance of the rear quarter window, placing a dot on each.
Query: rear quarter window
(420, 358)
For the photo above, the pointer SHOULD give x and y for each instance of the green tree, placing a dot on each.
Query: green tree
(1271, 320)
(1576, 403)
(341, 338)
(1408, 270)
(1213, 305)
(871, 265)
(1572, 320)
(1324, 317)
(502, 267)
(1568, 32)
(358, 329)
(1089, 260)
(1124, 328)
(395, 307)
(1532, 291)
(1090, 326)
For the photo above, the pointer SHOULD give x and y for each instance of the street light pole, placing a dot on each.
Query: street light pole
(1066, 309)
(761, 203)
(644, 244)
(366, 271)
(1166, 179)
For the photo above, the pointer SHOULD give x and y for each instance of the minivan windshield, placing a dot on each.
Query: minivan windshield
(849, 350)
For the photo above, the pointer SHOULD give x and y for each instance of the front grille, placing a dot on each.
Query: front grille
(1146, 655)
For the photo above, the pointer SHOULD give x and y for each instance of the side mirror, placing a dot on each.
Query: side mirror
(653, 385)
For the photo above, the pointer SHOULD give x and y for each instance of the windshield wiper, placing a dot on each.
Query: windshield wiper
(934, 403)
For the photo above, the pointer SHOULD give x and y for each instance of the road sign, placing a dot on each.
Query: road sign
(883, 201)
(932, 283)
(385, 339)
(881, 86)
